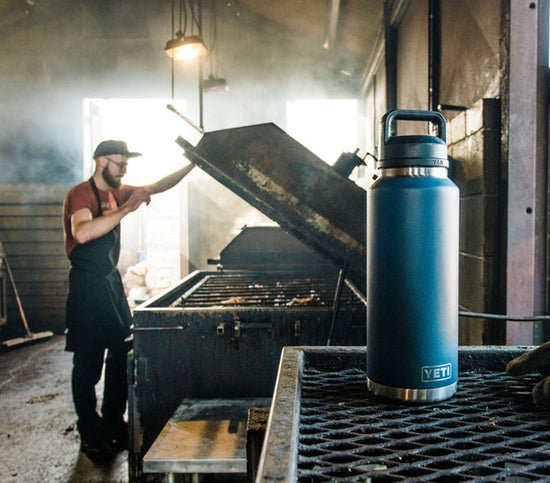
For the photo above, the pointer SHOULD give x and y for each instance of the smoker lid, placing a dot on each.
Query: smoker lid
(291, 185)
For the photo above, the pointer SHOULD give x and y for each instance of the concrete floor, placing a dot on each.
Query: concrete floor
(38, 437)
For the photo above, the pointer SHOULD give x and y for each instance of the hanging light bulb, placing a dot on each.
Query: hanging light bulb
(185, 47)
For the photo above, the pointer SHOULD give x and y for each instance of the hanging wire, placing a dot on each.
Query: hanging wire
(194, 20)
(215, 62)
(183, 19)
(513, 318)
(214, 38)
(173, 35)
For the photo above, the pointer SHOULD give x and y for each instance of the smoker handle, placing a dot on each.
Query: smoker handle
(388, 121)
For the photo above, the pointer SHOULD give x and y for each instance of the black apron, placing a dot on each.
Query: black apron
(97, 315)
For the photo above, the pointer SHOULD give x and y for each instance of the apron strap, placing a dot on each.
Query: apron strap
(96, 193)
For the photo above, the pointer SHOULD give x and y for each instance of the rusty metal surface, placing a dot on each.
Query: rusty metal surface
(280, 177)
(325, 425)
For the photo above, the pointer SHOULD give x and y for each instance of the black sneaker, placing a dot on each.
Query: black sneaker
(97, 450)
(116, 434)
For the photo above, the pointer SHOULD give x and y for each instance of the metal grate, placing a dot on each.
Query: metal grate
(488, 431)
(268, 290)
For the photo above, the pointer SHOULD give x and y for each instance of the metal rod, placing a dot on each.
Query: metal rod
(170, 107)
(201, 95)
(390, 39)
(449, 107)
(337, 298)
(357, 292)
(201, 90)
(334, 12)
(434, 54)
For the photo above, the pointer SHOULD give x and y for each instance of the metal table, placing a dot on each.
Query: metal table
(324, 425)
(203, 436)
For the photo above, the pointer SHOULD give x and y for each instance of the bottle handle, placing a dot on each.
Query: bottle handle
(388, 121)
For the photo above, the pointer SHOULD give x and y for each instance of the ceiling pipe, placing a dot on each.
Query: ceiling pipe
(334, 13)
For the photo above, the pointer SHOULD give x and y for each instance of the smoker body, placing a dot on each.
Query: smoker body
(219, 334)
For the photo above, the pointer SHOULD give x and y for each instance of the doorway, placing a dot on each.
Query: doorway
(153, 244)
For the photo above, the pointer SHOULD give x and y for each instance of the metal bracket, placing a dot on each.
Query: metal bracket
(139, 371)
(297, 328)
(239, 326)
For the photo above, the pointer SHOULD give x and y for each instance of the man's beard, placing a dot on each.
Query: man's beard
(109, 179)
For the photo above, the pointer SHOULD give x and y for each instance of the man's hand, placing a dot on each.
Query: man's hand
(85, 228)
(535, 360)
(139, 196)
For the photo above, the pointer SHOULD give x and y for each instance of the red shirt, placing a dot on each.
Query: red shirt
(82, 196)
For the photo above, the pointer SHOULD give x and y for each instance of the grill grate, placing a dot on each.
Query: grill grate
(267, 290)
(488, 431)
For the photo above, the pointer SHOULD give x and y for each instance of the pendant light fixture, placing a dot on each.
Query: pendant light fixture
(182, 46)
(214, 83)
(185, 47)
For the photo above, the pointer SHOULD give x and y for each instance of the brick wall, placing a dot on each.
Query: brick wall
(474, 148)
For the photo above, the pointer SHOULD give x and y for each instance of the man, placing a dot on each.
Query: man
(98, 316)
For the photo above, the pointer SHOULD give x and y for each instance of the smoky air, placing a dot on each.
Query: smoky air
(30, 155)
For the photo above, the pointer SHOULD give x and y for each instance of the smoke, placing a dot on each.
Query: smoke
(31, 154)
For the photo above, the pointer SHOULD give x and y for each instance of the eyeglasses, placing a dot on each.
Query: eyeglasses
(120, 165)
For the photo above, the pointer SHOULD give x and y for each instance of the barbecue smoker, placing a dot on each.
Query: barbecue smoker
(208, 349)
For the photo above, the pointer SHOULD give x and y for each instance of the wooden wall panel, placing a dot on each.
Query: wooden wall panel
(32, 235)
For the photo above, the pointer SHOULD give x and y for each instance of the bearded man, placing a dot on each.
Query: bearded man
(98, 317)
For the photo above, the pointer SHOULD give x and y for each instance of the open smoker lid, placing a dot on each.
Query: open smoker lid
(292, 186)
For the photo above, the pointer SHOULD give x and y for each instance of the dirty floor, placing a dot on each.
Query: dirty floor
(38, 439)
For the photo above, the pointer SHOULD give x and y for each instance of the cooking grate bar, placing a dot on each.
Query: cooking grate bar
(265, 290)
(488, 431)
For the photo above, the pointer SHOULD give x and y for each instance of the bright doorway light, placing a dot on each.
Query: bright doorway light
(326, 127)
(151, 236)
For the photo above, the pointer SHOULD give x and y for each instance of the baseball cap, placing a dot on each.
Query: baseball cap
(112, 146)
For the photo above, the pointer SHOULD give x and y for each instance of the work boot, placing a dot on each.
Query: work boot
(116, 434)
(97, 449)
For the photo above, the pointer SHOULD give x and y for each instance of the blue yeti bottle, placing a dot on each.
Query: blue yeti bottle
(412, 266)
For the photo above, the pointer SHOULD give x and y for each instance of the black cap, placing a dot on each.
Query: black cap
(111, 146)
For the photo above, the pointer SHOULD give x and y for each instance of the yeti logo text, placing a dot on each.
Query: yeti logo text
(436, 373)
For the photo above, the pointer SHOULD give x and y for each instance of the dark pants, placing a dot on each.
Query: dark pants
(87, 368)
